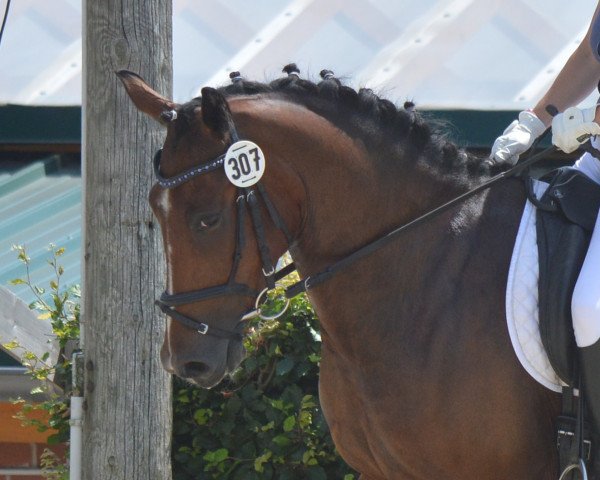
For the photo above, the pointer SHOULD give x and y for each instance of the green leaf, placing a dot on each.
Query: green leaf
(221, 455)
(11, 345)
(281, 440)
(183, 397)
(260, 461)
(202, 416)
(289, 423)
(217, 456)
(268, 426)
(308, 402)
(284, 366)
(305, 419)
(308, 458)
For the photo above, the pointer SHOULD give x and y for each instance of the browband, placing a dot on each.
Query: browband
(183, 177)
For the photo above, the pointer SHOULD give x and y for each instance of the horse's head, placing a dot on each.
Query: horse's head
(220, 239)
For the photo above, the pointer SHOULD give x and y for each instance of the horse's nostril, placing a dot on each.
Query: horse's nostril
(194, 369)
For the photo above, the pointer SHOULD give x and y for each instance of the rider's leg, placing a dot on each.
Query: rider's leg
(585, 305)
(585, 308)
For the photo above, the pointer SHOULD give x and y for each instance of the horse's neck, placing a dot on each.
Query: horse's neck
(353, 201)
(428, 283)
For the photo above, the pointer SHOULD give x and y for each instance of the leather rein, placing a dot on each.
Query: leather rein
(249, 199)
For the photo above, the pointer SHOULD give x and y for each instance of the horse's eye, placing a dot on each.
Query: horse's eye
(204, 223)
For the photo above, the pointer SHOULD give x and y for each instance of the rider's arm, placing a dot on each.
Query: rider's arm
(576, 80)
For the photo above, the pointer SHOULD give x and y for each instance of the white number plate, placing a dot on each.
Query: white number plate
(244, 163)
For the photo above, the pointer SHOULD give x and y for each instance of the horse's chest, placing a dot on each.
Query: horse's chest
(361, 411)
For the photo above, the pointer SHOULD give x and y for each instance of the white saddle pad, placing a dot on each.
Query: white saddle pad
(522, 300)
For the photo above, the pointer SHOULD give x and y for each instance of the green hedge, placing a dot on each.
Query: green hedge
(265, 422)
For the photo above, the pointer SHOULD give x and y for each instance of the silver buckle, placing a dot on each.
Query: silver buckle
(268, 274)
(203, 329)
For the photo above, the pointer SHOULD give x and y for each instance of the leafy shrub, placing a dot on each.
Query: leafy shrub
(61, 307)
(265, 422)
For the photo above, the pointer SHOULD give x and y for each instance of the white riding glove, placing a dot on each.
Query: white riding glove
(573, 127)
(517, 138)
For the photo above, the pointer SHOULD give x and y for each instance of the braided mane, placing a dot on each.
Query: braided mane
(386, 130)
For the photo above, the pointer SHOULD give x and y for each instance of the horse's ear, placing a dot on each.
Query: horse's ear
(145, 99)
(215, 111)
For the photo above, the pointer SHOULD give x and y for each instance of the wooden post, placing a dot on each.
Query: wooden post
(127, 419)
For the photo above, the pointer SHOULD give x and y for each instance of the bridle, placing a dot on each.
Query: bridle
(249, 199)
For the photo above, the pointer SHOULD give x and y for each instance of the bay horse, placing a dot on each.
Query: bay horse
(418, 378)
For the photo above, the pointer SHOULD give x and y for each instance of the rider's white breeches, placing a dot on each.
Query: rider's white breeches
(585, 305)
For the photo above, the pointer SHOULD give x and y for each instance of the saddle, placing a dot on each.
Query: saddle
(565, 218)
(566, 215)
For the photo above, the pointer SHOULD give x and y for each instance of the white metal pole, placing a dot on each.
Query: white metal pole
(76, 421)
(75, 443)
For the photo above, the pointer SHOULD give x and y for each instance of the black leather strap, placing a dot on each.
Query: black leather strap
(259, 230)
(206, 294)
(200, 327)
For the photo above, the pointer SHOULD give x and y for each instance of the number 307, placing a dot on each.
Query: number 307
(242, 165)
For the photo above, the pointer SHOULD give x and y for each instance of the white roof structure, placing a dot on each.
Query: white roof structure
(480, 54)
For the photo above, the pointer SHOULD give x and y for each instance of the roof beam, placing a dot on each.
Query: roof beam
(538, 85)
(216, 16)
(427, 42)
(372, 21)
(54, 77)
(532, 25)
(278, 39)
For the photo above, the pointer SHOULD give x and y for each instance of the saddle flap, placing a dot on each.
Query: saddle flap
(561, 247)
(563, 237)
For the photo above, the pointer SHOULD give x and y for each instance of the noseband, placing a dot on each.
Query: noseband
(247, 199)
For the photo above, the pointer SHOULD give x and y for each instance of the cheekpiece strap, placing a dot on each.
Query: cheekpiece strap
(183, 177)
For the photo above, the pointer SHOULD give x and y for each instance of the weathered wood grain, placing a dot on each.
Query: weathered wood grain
(127, 425)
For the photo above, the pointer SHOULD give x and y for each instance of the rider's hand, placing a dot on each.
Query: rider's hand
(517, 138)
(573, 127)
